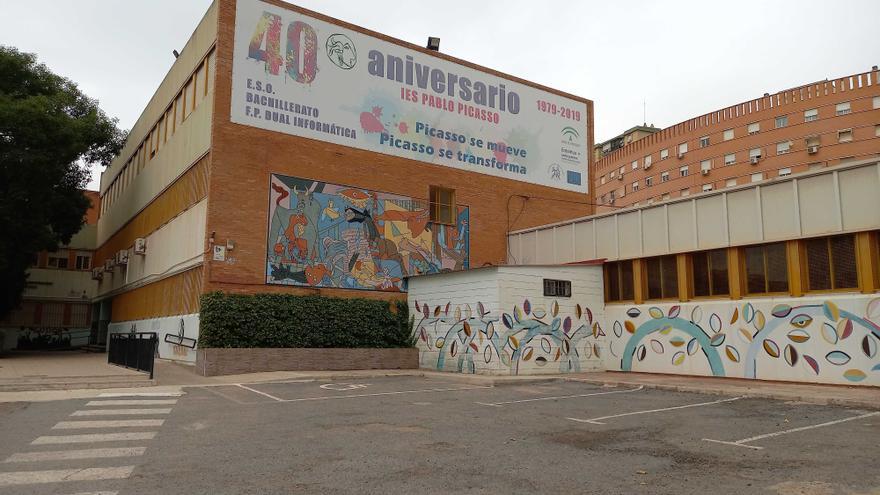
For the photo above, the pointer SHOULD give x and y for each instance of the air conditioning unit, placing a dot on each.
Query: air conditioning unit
(705, 171)
(813, 149)
(108, 265)
(140, 246)
(754, 160)
(97, 273)
(680, 155)
(122, 257)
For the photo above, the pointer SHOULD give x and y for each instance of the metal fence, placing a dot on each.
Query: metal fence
(135, 350)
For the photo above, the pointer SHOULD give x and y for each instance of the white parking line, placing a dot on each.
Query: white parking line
(115, 412)
(94, 493)
(352, 396)
(261, 393)
(597, 421)
(118, 423)
(63, 455)
(141, 394)
(558, 397)
(744, 441)
(133, 402)
(58, 475)
(95, 437)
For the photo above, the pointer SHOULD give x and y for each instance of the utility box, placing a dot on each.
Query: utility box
(536, 319)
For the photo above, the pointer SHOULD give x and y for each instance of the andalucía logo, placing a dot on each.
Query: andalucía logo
(570, 132)
(341, 51)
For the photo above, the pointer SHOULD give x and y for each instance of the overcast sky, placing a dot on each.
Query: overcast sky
(683, 58)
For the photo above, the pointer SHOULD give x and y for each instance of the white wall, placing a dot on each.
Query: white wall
(51, 283)
(497, 321)
(833, 339)
(170, 332)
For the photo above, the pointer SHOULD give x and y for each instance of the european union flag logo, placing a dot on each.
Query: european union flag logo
(573, 177)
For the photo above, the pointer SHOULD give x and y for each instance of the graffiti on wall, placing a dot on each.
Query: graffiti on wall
(809, 342)
(468, 339)
(329, 235)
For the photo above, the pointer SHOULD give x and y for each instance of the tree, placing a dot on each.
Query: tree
(49, 132)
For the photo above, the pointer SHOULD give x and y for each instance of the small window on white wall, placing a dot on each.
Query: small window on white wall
(557, 288)
(728, 134)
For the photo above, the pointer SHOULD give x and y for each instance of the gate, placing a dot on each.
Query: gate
(134, 350)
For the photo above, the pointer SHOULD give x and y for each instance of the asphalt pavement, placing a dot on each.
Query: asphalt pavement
(433, 435)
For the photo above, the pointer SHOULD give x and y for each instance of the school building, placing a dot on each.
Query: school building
(289, 152)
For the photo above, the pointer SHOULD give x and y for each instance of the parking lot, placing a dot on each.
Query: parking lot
(438, 435)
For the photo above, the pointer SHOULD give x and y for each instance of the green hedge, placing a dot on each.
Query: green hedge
(282, 320)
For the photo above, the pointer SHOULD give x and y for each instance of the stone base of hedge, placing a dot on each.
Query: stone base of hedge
(232, 361)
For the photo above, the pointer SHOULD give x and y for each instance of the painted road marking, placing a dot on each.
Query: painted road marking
(94, 437)
(559, 397)
(95, 493)
(744, 441)
(141, 394)
(115, 412)
(342, 387)
(59, 475)
(352, 396)
(119, 423)
(63, 455)
(133, 402)
(258, 392)
(598, 421)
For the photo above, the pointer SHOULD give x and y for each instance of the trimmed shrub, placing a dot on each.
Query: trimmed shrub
(283, 320)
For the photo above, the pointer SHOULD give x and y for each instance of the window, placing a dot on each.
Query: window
(784, 172)
(783, 147)
(728, 134)
(442, 205)
(664, 177)
(812, 141)
(622, 169)
(557, 288)
(662, 277)
(635, 186)
(635, 164)
(758, 177)
(664, 197)
(619, 281)
(612, 175)
(682, 148)
(647, 161)
(709, 274)
(844, 135)
(705, 165)
(707, 187)
(831, 263)
(782, 121)
(83, 262)
(664, 154)
(754, 128)
(730, 159)
(611, 196)
(815, 166)
(730, 183)
(876, 102)
(704, 141)
(842, 108)
(58, 259)
(766, 269)
(683, 171)
(602, 180)
(685, 192)
(755, 153)
(811, 115)
(649, 181)
(161, 134)
(877, 130)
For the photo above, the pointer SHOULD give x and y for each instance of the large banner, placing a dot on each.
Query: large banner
(330, 235)
(298, 75)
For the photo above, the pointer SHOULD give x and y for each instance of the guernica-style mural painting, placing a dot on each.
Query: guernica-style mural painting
(827, 341)
(470, 338)
(330, 235)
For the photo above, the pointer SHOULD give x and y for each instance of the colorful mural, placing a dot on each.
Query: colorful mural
(468, 339)
(329, 235)
(812, 342)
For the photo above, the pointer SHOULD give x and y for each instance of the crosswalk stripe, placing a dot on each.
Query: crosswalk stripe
(133, 402)
(63, 455)
(117, 423)
(141, 394)
(95, 437)
(59, 475)
(117, 412)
